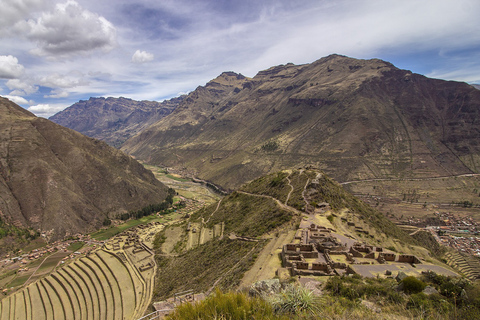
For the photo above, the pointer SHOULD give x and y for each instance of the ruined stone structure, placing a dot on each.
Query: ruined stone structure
(320, 244)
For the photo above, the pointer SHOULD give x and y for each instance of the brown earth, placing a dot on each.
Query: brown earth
(354, 119)
(113, 120)
(55, 179)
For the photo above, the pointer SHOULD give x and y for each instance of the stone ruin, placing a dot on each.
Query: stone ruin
(318, 243)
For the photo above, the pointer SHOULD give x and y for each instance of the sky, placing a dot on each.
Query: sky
(55, 53)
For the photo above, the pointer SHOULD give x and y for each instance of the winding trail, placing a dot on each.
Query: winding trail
(281, 204)
(216, 209)
(292, 188)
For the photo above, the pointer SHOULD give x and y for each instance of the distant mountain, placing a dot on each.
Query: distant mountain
(476, 86)
(355, 119)
(113, 120)
(56, 179)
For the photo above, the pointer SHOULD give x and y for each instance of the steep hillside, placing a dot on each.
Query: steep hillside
(257, 221)
(113, 120)
(55, 179)
(355, 119)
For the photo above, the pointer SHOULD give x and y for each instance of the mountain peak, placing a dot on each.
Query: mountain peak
(354, 118)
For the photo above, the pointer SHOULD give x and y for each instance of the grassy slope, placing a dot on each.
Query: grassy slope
(246, 215)
(199, 268)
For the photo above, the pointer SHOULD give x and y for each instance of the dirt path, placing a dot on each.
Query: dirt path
(282, 205)
(291, 187)
(216, 209)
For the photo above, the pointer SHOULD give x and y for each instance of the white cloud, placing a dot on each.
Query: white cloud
(68, 30)
(16, 10)
(57, 93)
(10, 68)
(17, 99)
(21, 87)
(46, 110)
(63, 81)
(142, 56)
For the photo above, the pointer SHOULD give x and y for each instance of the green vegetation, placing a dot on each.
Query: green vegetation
(270, 146)
(428, 241)
(326, 190)
(76, 246)
(292, 303)
(274, 185)
(454, 298)
(230, 305)
(161, 208)
(112, 231)
(246, 215)
(330, 218)
(413, 285)
(299, 180)
(13, 238)
(159, 239)
(295, 300)
(224, 260)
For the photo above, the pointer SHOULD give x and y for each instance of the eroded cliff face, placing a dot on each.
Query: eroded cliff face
(113, 120)
(53, 178)
(355, 119)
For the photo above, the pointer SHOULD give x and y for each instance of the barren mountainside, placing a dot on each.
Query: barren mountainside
(54, 178)
(113, 120)
(354, 119)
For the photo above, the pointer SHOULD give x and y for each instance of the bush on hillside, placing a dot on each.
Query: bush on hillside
(413, 285)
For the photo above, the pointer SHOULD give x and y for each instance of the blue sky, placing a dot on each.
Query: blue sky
(54, 53)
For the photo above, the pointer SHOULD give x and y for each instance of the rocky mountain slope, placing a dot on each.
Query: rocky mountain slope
(53, 178)
(113, 120)
(355, 119)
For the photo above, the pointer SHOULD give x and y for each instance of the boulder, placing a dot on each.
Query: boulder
(265, 287)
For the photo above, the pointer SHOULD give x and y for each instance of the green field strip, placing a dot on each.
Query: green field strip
(45, 300)
(28, 304)
(124, 280)
(37, 304)
(71, 296)
(19, 306)
(73, 290)
(113, 283)
(97, 286)
(13, 302)
(55, 299)
(84, 290)
(106, 287)
(6, 308)
(94, 302)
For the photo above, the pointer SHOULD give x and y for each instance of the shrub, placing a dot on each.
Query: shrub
(330, 218)
(295, 300)
(413, 285)
(231, 305)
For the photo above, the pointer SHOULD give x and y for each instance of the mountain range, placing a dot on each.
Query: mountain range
(354, 119)
(56, 179)
(113, 120)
